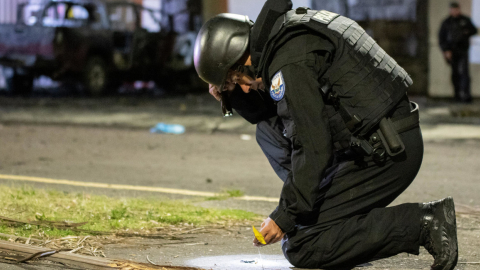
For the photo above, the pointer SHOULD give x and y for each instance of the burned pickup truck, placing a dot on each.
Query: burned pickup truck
(99, 44)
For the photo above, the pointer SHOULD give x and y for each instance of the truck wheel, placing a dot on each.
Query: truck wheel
(95, 76)
(21, 83)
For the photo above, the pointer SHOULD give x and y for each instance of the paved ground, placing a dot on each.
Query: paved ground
(107, 141)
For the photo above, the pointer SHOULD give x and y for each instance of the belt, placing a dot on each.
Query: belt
(390, 129)
(405, 123)
(386, 139)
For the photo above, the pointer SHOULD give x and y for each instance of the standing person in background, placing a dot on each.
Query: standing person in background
(454, 40)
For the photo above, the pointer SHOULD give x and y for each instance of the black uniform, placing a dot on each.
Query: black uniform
(454, 36)
(329, 90)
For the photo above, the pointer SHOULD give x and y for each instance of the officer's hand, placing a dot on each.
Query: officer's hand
(214, 92)
(213, 89)
(271, 232)
(448, 55)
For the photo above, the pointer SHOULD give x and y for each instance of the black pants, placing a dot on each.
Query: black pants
(461, 76)
(354, 224)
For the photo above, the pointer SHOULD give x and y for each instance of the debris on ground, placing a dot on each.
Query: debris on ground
(14, 253)
(163, 128)
(249, 261)
(93, 245)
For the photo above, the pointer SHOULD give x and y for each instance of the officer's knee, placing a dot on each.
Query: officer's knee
(302, 256)
(303, 259)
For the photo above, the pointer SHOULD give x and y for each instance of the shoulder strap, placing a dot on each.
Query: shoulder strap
(271, 11)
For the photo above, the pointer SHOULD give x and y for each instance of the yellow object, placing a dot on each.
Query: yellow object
(70, 14)
(259, 236)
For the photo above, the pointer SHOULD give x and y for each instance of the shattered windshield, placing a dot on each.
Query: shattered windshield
(55, 14)
(151, 20)
(126, 18)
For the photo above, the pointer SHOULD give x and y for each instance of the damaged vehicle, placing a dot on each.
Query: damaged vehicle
(99, 44)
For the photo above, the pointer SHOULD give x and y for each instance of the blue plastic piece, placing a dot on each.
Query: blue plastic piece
(163, 128)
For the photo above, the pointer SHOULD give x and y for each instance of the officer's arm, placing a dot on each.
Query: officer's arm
(472, 30)
(443, 37)
(301, 110)
(254, 106)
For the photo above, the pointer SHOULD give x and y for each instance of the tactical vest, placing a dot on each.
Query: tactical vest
(363, 83)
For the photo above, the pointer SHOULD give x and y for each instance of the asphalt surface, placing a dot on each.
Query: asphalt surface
(108, 141)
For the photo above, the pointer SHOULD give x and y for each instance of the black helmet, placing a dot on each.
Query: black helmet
(221, 42)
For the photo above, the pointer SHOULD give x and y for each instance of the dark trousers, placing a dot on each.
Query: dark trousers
(461, 76)
(355, 225)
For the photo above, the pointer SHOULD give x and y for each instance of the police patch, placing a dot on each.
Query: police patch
(277, 90)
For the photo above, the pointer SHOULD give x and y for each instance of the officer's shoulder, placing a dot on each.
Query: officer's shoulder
(290, 41)
(290, 51)
(447, 20)
(300, 41)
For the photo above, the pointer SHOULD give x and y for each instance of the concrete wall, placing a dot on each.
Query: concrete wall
(439, 74)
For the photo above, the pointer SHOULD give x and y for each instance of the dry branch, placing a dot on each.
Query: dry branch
(20, 237)
(56, 224)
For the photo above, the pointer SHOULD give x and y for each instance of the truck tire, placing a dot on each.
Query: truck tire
(21, 83)
(95, 76)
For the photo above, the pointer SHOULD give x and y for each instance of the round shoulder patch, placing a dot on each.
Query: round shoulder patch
(277, 89)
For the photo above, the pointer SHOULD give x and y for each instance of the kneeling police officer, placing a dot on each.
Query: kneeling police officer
(336, 125)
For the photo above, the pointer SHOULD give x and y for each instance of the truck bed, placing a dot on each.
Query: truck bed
(25, 44)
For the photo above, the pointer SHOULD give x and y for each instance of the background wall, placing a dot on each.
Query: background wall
(8, 10)
(475, 53)
(439, 75)
(213, 7)
(405, 39)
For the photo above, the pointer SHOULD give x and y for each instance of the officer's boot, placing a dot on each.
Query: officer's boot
(439, 233)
